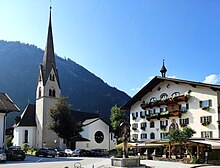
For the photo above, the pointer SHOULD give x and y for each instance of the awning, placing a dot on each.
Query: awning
(212, 143)
(130, 145)
(150, 145)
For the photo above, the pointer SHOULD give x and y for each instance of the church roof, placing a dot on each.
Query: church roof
(28, 116)
(82, 116)
(49, 62)
(7, 105)
(89, 121)
(156, 80)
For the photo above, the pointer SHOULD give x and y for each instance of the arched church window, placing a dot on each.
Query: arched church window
(26, 136)
(152, 135)
(50, 92)
(40, 79)
(54, 93)
(39, 92)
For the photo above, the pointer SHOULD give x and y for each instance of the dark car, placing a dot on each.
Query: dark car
(99, 152)
(15, 153)
(45, 152)
(60, 153)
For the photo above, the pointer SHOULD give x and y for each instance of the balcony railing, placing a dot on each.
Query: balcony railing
(171, 100)
(167, 114)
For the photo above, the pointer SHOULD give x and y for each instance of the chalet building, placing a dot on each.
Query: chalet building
(167, 103)
(31, 128)
(6, 106)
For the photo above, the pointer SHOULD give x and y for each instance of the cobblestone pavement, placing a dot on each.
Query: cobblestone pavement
(165, 164)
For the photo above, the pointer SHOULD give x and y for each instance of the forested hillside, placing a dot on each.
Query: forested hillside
(18, 78)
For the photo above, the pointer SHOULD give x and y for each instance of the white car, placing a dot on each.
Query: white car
(76, 152)
(69, 152)
(2, 156)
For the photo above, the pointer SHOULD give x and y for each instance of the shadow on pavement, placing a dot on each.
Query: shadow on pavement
(34, 159)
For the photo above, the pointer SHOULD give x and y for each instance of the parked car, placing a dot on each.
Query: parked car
(15, 153)
(69, 152)
(60, 153)
(45, 152)
(99, 152)
(81, 152)
(2, 156)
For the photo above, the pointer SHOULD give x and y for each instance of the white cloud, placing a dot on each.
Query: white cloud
(172, 76)
(212, 79)
(135, 89)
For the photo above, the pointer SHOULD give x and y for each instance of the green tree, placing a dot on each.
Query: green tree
(63, 122)
(9, 140)
(117, 117)
(181, 137)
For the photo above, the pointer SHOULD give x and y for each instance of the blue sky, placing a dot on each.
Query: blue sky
(124, 41)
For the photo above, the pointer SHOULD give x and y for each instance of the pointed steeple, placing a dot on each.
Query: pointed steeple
(49, 58)
(163, 70)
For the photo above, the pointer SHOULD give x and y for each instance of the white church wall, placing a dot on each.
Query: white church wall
(89, 133)
(2, 116)
(19, 136)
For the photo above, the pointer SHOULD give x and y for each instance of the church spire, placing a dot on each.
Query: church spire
(49, 62)
(49, 58)
(163, 70)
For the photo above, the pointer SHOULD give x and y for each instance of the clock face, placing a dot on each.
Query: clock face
(99, 137)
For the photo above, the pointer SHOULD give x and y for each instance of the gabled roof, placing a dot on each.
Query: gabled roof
(49, 62)
(28, 116)
(7, 105)
(89, 121)
(156, 80)
(87, 118)
(82, 116)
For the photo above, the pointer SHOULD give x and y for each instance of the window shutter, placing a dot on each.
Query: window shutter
(136, 114)
(202, 135)
(180, 107)
(161, 123)
(166, 122)
(180, 121)
(200, 104)
(200, 119)
(210, 118)
(210, 103)
(187, 120)
(187, 106)
(166, 108)
(210, 134)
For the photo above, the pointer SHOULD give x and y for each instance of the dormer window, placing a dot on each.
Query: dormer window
(52, 77)
(175, 94)
(163, 96)
(153, 99)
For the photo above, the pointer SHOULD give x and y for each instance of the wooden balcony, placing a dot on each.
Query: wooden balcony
(158, 103)
(167, 114)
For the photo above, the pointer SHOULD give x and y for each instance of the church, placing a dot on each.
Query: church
(31, 127)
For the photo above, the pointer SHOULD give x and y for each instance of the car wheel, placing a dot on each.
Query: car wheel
(53, 156)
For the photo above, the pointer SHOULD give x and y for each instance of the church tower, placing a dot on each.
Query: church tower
(47, 93)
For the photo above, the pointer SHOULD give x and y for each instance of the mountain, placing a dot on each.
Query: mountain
(19, 68)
